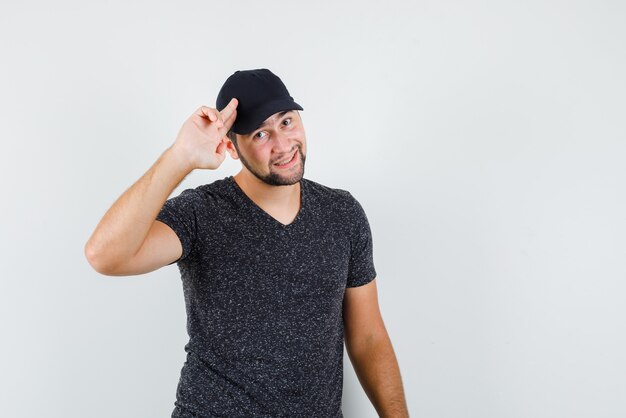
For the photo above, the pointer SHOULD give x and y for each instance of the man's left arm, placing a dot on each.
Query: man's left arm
(371, 353)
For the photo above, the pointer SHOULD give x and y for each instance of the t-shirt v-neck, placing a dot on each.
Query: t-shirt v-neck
(265, 217)
(264, 300)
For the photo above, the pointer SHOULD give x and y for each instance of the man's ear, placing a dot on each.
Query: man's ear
(230, 148)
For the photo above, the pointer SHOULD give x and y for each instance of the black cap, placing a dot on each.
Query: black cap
(260, 94)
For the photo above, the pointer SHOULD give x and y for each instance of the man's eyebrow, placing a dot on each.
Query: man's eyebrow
(280, 115)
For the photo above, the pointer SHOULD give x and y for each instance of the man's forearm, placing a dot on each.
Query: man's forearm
(124, 227)
(377, 368)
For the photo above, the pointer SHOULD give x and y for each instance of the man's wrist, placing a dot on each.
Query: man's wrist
(179, 159)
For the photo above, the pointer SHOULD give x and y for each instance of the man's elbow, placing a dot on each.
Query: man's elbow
(364, 344)
(98, 261)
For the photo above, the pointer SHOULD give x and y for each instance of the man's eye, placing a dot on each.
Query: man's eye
(287, 121)
(260, 134)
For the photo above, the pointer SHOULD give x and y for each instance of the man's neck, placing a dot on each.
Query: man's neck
(267, 195)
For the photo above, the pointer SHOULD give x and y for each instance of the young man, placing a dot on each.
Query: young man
(276, 269)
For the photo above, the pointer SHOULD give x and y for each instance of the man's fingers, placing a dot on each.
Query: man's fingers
(221, 148)
(228, 122)
(220, 119)
(208, 112)
(229, 109)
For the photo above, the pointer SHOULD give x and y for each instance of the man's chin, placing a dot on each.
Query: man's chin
(276, 179)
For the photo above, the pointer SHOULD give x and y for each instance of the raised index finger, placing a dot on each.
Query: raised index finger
(230, 107)
(205, 111)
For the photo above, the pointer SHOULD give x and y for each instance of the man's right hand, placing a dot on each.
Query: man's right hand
(202, 138)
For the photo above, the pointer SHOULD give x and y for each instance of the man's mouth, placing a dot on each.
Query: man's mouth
(287, 162)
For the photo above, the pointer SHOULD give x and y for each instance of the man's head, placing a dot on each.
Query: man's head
(260, 94)
(268, 128)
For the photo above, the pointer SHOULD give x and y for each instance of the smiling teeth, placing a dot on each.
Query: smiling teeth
(286, 161)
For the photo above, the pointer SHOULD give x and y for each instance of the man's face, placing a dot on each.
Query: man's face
(280, 139)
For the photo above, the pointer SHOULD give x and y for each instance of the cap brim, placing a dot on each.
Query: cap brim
(243, 126)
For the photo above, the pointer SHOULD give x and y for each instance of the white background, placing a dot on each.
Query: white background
(484, 139)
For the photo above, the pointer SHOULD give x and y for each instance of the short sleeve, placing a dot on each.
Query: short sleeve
(361, 266)
(180, 214)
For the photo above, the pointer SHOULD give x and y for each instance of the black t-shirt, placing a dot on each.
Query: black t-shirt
(264, 300)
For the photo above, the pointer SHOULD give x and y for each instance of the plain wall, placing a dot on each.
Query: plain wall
(484, 139)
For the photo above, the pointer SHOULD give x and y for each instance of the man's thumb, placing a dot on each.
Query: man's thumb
(221, 148)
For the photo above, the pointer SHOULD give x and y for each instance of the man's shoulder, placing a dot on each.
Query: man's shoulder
(324, 190)
(206, 193)
(217, 186)
(326, 194)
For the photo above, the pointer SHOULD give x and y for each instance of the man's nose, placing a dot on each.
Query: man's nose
(282, 142)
